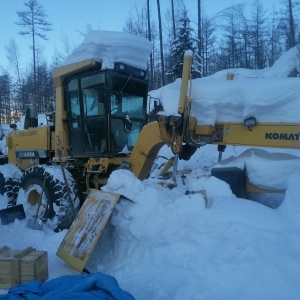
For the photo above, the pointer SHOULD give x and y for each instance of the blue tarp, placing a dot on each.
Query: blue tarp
(83, 286)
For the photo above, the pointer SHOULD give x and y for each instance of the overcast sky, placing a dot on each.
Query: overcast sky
(69, 16)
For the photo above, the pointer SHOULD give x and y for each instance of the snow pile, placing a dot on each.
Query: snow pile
(291, 205)
(109, 47)
(4, 130)
(10, 171)
(165, 244)
(285, 65)
(269, 100)
(265, 94)
(282, 68)
(224, 251)
(264, 169)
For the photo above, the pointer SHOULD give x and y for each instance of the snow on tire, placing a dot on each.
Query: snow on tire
(55, 209)
(10, 176)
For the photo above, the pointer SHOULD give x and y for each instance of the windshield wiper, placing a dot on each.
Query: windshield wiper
(125, 84)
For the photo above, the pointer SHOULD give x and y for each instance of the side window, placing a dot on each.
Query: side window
(92, 94)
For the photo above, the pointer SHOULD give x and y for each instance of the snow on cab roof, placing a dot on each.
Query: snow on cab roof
(109, 47)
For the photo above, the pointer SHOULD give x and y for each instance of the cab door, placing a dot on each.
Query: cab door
(94, 115)
(87, 114)
(76, 126)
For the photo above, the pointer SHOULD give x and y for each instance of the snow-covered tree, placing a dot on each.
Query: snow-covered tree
(185, 40)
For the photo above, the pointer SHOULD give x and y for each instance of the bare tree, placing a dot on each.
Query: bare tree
(200, 42)
(67, 47)
(137, 22)
(5, 103)
(149, 37)
(163, 80)
(173, 20)
(232, 38)
(208, 45)
(276, 44)
(33, 21)
(292, 38)
(287, 24)
(258, 34)
(140, 23)
(13, 56)
(244, 48)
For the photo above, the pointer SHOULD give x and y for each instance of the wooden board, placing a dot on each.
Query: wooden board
(86, 229)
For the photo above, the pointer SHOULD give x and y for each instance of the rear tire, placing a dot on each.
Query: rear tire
(3, 159)
(9, 182)
(55, 209)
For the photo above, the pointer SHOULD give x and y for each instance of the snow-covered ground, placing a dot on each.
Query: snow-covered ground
(175, 244)
(169, 245)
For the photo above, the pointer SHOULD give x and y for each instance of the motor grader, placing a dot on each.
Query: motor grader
(95, 129)
(100, 125)
(99, 115)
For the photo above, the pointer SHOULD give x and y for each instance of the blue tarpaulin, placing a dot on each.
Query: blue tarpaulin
(83, 286)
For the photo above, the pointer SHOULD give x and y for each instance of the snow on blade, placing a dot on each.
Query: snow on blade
(87, 228)
(265, 170)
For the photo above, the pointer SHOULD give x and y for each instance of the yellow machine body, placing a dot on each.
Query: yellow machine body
(261, 135)
(27, 147)
(78, 144)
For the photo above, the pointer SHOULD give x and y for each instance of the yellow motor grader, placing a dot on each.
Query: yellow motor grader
(100, 125)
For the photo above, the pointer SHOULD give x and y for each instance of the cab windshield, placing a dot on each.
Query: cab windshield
(128, 95)
(107, 112)
(127, 109)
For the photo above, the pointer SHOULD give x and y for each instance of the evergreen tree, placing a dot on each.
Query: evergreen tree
(184, 40)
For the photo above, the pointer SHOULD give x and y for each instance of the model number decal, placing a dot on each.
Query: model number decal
(26, 154)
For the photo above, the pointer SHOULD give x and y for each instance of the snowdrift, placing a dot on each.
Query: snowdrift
(270, 100)
(266, 94)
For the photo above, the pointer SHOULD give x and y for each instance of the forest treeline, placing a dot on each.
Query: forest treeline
(235, 37)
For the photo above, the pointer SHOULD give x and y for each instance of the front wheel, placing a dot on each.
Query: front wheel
(55, 208)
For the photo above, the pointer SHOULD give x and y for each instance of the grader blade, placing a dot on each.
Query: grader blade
(11, 213)
(86, 229)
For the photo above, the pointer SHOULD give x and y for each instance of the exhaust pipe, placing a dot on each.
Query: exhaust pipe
(31, 115)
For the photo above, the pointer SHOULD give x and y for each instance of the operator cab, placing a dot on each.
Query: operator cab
(106, 110)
